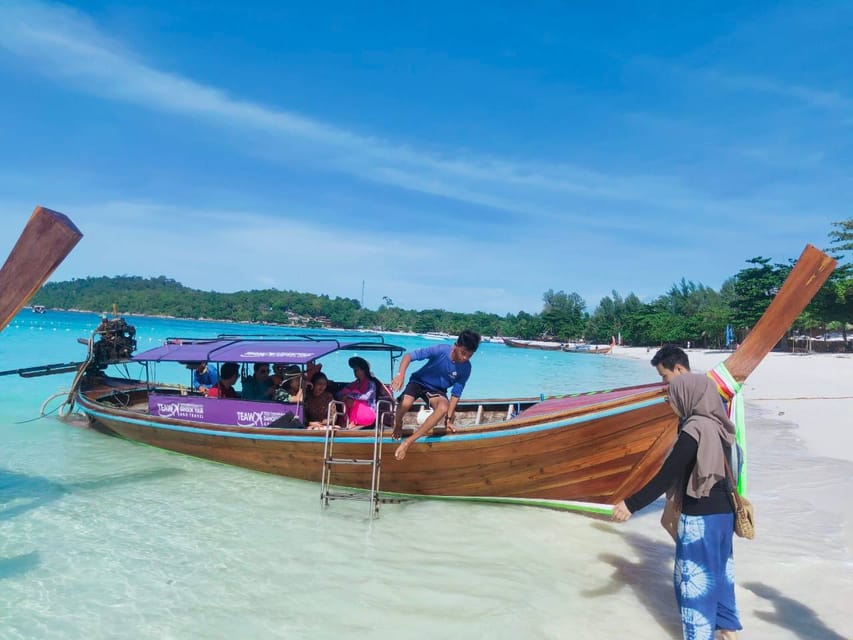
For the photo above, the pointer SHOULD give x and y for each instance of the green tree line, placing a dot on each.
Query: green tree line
(687, 312)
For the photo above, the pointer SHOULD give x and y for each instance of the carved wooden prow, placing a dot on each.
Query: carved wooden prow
(801, 285)
(48, 237)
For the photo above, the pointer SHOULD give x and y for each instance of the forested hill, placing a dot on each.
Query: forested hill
(166, 297)
(687, 312)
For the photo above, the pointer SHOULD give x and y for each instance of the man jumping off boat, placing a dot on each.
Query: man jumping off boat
(446, 365)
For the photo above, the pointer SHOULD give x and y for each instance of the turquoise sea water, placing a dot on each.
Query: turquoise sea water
(102, 538)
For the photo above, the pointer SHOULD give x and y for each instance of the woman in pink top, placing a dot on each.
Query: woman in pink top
(359, 396)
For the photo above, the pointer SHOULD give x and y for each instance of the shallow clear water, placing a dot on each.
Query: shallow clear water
(102, 538)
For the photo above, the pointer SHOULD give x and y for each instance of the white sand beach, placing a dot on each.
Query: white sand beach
(813, 391)
(796, 578)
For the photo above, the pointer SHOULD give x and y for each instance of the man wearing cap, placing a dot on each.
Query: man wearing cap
(287, 383)
(447, 365)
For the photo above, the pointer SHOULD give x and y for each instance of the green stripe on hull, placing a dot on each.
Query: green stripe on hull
(592, 508)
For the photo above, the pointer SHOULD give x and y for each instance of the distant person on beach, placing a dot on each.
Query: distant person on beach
(259, 385)
(694, 479)
(227, 379)
(205, 376)
(670, 361)
(447, 365)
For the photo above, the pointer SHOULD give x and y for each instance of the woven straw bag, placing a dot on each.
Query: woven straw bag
(744, 517)
(744, 511)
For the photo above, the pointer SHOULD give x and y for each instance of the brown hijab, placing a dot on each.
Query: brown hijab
(695, 398)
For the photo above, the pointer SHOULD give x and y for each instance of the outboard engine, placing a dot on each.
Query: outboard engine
(115, 342)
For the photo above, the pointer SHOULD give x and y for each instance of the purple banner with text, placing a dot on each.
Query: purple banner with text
(226, 411)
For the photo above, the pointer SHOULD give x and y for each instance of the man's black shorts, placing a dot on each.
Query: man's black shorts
(419, 391)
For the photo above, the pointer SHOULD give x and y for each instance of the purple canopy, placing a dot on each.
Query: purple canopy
(287, 351)
(192, 352)
(271, 351)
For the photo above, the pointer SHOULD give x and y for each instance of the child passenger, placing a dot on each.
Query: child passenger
(317, 402)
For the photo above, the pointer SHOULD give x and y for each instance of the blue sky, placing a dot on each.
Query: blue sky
(466, 156)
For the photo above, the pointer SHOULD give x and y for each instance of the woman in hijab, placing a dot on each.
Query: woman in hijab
(694, 479)
(359, 396)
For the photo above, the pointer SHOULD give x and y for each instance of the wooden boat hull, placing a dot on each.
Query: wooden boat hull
(582, 452)
(594, 453)
(595, 351)
(533, 344)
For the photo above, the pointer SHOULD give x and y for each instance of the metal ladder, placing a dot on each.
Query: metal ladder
(384, 408)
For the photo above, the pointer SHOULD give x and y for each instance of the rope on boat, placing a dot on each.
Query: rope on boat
(117, 342)
(42, 412)
(44, 404)
(65, 409)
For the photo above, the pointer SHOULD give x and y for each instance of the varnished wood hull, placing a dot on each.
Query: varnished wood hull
(595, 351)
(598, 453)
(566, 452)
(533, 344)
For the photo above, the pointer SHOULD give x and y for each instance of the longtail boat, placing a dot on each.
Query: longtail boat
(542, 345)
(583, 452)
(589, 349)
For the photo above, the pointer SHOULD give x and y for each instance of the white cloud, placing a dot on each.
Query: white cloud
(568, 227)
(233, 250)
(818, 98)
(65, 44)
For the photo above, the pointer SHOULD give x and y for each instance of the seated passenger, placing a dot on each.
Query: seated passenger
(359, 396)
(227, 379)
(317, 402)
(259, 385)
(277, 376)
(312, 369)
(204, 377)
(280, 369)
(289, 389)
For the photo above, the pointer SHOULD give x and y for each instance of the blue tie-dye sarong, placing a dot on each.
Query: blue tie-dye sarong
(704, 575)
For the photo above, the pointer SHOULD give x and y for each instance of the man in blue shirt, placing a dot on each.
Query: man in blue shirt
(205, 376)
(446, 366)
